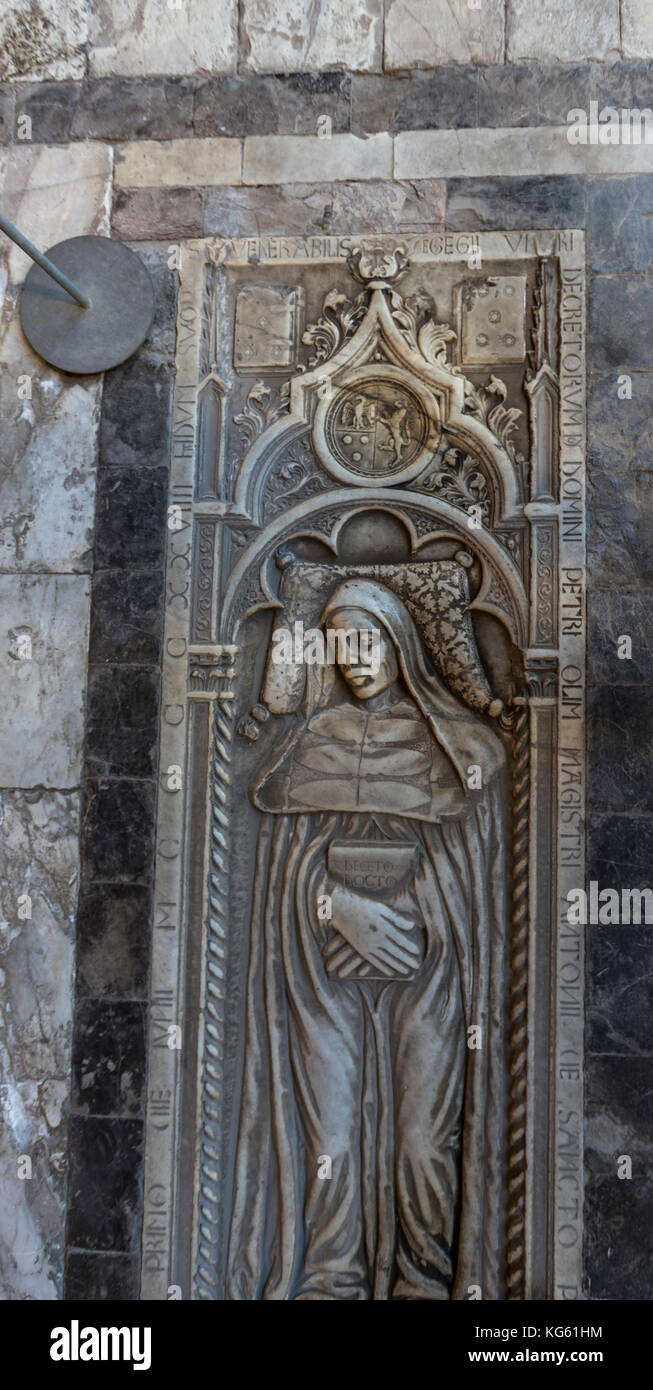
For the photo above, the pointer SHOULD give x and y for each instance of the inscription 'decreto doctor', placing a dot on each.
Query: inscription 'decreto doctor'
(359, 869)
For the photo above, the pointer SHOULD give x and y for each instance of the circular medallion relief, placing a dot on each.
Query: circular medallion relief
(377, 428)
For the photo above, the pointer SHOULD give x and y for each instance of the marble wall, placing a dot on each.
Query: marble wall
(49, 426)
(156, 122)
(68, 38)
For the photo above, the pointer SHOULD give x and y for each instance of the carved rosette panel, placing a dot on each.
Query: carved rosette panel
(371, 436)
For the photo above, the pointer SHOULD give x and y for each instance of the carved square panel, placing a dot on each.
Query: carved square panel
(268, 320)
(493, 313)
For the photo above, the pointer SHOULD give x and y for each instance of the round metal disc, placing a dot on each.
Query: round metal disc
(81, 340)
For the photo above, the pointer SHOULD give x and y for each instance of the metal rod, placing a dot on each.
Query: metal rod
(44, 263)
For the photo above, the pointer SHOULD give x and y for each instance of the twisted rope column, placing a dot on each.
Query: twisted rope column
(518, 1006)
(208, 1244)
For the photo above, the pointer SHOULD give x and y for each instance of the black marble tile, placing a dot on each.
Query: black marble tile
(106, 1278)
(619, 531)
(620, 852)
(341, 209)
(520, 203)
(7, 109)
(619, 1238)
(621, 308)
(171, 214)
(613, 614)
(117, 830)
(375, 101)
(160, 341)
(122, 724)
(136, 406)
(286, 104)
(124, 108)
(104, 1202)
(446, 99)
(131, 510)
(620, 431)
(235, 106)
(302, 98)
(51, 107)
(620, 481)
(622, 84)
(620, 721)
(126, 617)
(109, 1057)
(620, 1005)
(620, 223)
(113, 940)
(531, 94)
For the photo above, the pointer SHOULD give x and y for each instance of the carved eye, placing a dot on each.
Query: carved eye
(508, 339)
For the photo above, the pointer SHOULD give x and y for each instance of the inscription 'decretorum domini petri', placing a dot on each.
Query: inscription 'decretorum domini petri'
(364, 866)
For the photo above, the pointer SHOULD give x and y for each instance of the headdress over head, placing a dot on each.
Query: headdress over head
(435, 594)
(386, 610)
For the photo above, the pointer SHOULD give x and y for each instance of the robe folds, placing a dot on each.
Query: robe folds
(411, 1208)
(371, 1110)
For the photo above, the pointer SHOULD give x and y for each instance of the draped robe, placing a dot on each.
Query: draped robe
(377, 1078)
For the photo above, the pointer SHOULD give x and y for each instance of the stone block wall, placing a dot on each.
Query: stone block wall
(159, 122)
(104, 38)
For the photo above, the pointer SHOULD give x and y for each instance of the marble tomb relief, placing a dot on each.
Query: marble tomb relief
(360, 940)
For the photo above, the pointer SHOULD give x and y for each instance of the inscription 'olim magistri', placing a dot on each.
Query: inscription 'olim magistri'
(376, 443)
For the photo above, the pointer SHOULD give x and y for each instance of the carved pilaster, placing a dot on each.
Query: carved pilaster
(210, 438)
(543, 624)
(208, 1251)
(541, 672)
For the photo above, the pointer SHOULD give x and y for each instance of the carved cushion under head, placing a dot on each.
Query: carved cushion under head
(436, 595)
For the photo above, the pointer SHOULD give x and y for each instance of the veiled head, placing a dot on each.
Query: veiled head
(358, 634)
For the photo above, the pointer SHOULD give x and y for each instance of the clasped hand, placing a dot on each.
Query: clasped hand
(377, 933)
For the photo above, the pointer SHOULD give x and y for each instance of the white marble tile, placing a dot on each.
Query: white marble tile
(527, 151)
(134, 37)
(428, 33)
(301, 36)
(306, 158)
(47, 473)
(562, 32)
(48, 421)
(43, 656)
(52, 192)
(178, 163)
(43, 40)
(38, 860)
(637, 28)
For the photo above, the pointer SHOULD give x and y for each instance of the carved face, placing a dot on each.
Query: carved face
(356, 634)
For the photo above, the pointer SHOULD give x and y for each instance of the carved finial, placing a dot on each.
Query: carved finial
(374, 266)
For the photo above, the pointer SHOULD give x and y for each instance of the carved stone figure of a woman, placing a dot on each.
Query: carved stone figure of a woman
(369, 1128)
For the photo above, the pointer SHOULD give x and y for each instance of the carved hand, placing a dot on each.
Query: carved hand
(376, 931)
